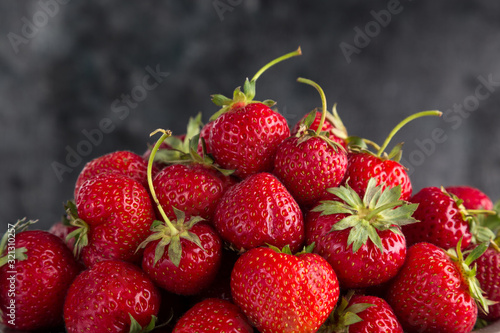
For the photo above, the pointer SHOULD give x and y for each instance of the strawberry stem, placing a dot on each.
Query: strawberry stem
(297, 52)
(166, 134)
(323, 101)
(404, 122)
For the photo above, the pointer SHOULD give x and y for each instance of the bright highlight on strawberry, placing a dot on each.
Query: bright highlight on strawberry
(243, 225)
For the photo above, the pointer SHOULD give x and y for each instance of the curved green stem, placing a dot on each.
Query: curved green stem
(297, 52)
(404, 122)
(323, 101)
(166, 134)
(481, 211)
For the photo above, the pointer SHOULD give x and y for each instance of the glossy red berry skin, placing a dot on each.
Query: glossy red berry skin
(37, 285)
(281, 292)
(472, 197)
(429, 293)
(363, 166)
(488, 275)
(193, 189)
(197, 268)
(259, 211)
(123, 162)
(367, 266)
(245, 138)
(104, 295)
(379, 318)
(308, 168)
(441, 222)
(213, 315)
(119, 214)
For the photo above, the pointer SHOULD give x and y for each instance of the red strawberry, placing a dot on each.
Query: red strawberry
(111, 296)
(281, 292)
(362, 314)
(213, 315)
(435, 291)
(258, 211)
(114, 215)
(194, 189)
(488, 275)
(36, 270)
(193, 249)
(62, 231)
(205, 136)
(193, 268)
(332, 125)
(122, 162)
(310, 163)
(363, 233)
(472, 197)
(245, 134)
(385, 168)
(442, 222)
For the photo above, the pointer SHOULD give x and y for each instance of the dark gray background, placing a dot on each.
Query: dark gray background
(64, 77)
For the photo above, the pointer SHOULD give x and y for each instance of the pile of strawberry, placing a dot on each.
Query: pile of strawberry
(248, 224)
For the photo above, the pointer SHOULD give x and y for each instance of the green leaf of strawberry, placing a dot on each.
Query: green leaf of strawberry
(378, 210)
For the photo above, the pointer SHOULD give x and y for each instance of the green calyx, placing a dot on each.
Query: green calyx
(80, 234)
(286, 249)
(192, 156)
(358, 144)
(344, 315)
(480, 233)
(245, 97)
(163, 232)
(305, 132)
(167, 232)
(8, 251)
(378, 210)
(469, 273)
(180, 147)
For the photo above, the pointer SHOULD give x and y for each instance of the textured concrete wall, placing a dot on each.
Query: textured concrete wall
(67, 65)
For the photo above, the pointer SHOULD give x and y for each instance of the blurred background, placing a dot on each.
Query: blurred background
(79, 79)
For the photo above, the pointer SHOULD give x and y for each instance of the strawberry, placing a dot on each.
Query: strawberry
(473, 198)
(36, 270)
(332, 125)
(385, 168)
(310, 163)
(436, 291)
(188, 272)
(258, 211)
(213, 315)
(111, 296)
(362, 314)
(194, 185)
(193, 249)
(245, 133)
(62, 230)
(122, 162)
(114, 214)
(281, 292)
(444, 221)
(488, 273)
(362, 232)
